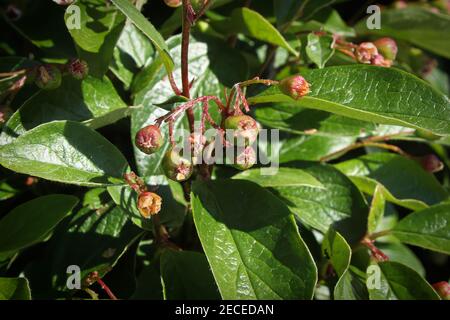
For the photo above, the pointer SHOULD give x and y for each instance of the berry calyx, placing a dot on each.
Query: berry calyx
(149, 139)
(431, 163)
(78, 68)
(365, 52)
(48, 77)
(148, 204)
(245, 159)
(244, 129)
(176, 167)
(173, 3)
(443, 289)
(294, 86)
(387, 47)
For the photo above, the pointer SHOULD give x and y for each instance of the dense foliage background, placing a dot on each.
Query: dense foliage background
(364, 169)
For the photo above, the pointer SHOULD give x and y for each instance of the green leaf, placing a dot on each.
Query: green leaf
(369, 93)
(419, 26)
(252, 24)
(7, 191)
(399, 282)
(351, 286)
(31, 221)
(320, 48)
(336, 203)
(286, 10)
(403, 181)
(91, 100)
(67, 152)
(283, 177)
(398, 252)
(91, 240)
(376, 210)
(148, 29)
(261, 254)
(428, 228)
(14, 289)
(186, 275)
(100, 28)
(133, 51)
(337, 250)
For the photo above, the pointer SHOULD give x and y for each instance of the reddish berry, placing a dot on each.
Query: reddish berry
(149, 139)
(443, 289)
(365, 52)
(5, 113)
(48, 77)
(244, 129)
(78, 68)
(149, 204)
(294, 86)
(431, 163)
(173, 3)
(387, 47)
(176, 167)
(379, 60)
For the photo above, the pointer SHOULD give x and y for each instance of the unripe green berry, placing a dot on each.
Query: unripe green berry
(245, 159)
(78, 68)
(48, 77)
(176, 167)
(294, 86)
(387, 47)
(244, 129)
(149, 139)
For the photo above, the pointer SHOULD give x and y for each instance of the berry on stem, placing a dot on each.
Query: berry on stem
(245, 159)
(244, 128)
(149, 204)
(176, 167)
(431, 163)
(365, 52)
(173, 3)
(48, 77)
(149, 139)
(387, 47)
(78, 68)
(443, 289)
(294, 86)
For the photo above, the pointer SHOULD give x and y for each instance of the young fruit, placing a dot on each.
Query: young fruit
(387, 47)
(443, 289)
(48, 77)
(294, 86)
(149, 139)
(365, 52)
(78, 68)
(173, 3)
(431, 163)
(149, 204)
(244, 129)
(245, 159)
(176, 167)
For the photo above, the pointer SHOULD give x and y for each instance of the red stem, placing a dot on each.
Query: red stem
(185, 60)
(107, 290)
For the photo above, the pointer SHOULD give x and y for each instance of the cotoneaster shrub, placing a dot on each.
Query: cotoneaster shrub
(221, 149)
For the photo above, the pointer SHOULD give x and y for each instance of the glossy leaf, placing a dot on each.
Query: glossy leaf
(351, 286)
(148, 29)
(91, 100)
(251, 242)
(14, 289)
(186, 275)
(320, 49)
(66, 152)
(402, 181)
(337, 250)
(376, 210)
(377, 94)
(91, 240)
(419, 26)
(252, 24)
(398, 252)
(31, 221)
(428, 228)
(399, 282)
(100, 28)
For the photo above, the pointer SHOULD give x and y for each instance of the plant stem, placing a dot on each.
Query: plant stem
(107, 290)
(379, 234)
(185, 60)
